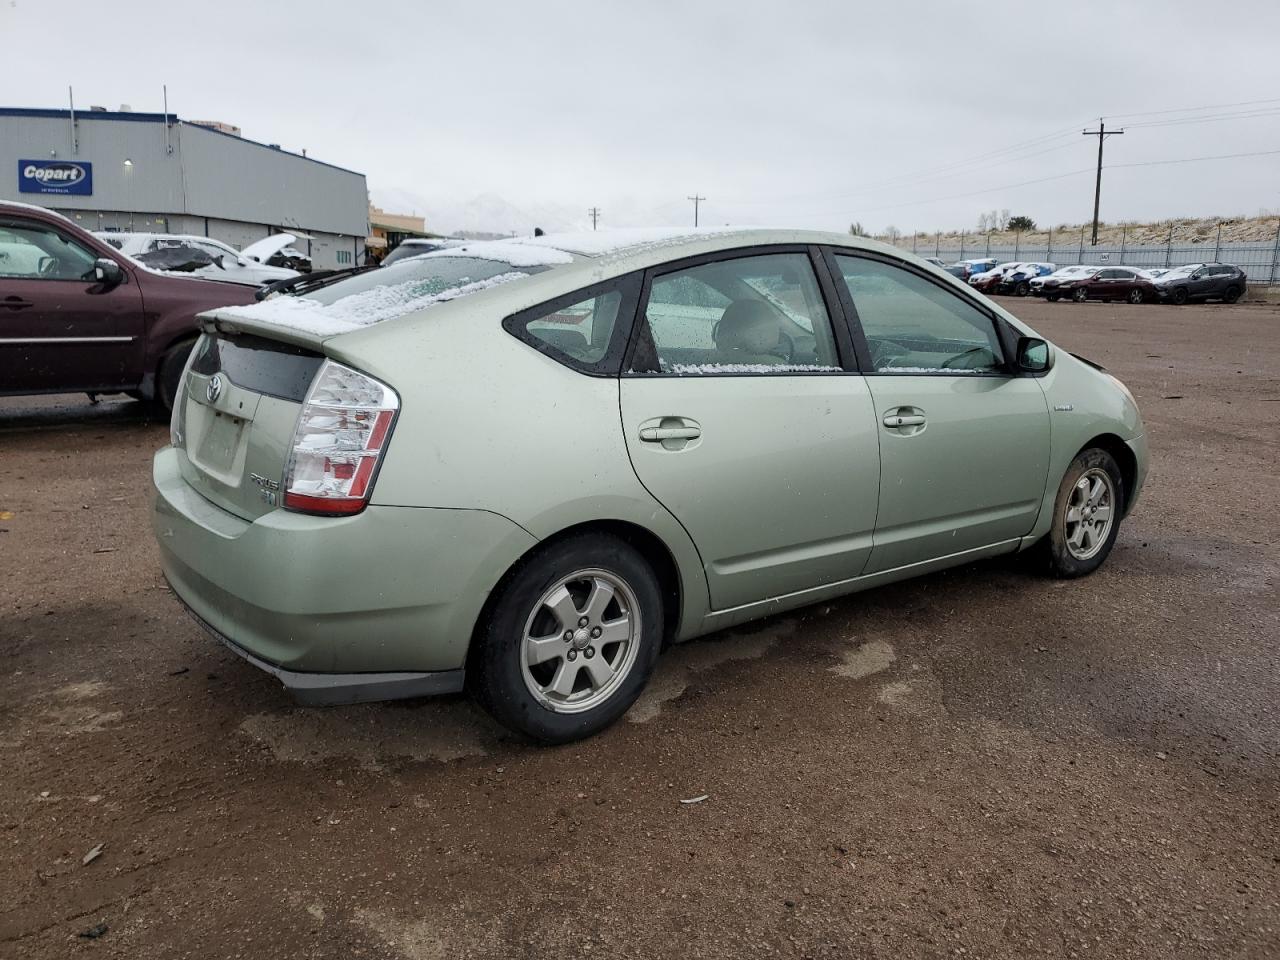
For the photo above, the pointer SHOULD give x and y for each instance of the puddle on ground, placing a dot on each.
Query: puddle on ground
(413, 939)
(865, 659)
(374, 734)
(919, 696)
(678, 665)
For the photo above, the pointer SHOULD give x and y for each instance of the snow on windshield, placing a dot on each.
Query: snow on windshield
(363, 308)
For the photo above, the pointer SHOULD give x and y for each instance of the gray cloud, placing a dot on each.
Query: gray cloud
(807, 113)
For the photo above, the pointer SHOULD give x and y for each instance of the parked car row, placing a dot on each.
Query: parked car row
(1185, 284)
(1193, 282)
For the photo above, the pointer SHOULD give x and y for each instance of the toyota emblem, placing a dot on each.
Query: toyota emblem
(214, 390)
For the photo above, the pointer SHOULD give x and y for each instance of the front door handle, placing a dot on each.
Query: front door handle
(16, 303)
(658, 434)
(904, 420)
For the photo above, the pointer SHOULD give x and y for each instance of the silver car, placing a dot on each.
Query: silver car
(523, 467)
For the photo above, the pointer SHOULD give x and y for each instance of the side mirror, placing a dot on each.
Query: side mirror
(107, 271)
(242, 262)
(1033, 355)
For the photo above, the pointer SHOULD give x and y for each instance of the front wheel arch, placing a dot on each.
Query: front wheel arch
(1125, 459)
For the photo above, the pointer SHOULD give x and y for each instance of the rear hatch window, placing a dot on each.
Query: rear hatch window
(374, 296)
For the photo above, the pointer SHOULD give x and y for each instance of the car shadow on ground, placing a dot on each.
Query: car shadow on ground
(18, 414)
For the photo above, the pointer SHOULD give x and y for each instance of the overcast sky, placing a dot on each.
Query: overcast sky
(799, 113)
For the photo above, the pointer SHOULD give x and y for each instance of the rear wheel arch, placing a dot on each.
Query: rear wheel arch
(1125, 459)
(162, 370)
(649, 545)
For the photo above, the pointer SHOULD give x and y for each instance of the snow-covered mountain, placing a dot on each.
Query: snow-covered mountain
(490, 213)
(485, 213)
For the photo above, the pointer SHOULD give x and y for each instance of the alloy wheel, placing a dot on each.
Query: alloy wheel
(580, 641)
(1090, 513)
(1135, 295)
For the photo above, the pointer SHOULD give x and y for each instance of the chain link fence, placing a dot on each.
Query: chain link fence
(1260, 260)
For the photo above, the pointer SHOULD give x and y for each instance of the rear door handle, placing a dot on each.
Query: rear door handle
(658, 434)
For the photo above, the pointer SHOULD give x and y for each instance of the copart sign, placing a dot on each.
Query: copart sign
(55, 176)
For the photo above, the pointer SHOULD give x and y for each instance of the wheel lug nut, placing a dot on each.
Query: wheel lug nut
(591, 652)
(583, 622)
(573, 654)
(568, 636)
(595, 633)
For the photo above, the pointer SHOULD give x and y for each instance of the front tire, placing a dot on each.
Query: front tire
(1080, 295)
(1179, 296)
(570, 640)
(1086, 515)
(1022, 289)
(1052, 297)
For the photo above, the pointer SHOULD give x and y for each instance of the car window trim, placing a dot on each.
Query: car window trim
(627, 285)
(839, 331)
(1005, 333)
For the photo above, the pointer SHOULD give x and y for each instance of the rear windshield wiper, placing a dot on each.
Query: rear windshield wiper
(307, 282)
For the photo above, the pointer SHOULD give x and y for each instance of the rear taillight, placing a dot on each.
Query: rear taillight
(341, 434)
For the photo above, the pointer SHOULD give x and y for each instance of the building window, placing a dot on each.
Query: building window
(344, 256)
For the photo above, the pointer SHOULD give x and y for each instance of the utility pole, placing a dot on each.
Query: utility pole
(595, 215)
(1101, 133)
(696, 200)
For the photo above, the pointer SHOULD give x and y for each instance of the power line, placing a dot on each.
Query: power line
(1102, 134)
(1216, 118)
(696, 200)
(1220, 156)
(1212, 106)
(595, 215)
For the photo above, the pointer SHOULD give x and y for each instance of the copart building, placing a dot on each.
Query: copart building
(152, 172)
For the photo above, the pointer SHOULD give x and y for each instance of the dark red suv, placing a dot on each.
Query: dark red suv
(77, 315)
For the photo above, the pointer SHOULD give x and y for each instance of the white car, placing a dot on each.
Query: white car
(247, 266)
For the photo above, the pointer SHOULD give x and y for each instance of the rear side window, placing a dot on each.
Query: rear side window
(585, 330)
(761, 314)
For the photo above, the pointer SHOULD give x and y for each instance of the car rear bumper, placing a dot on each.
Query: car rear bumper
(372, 603)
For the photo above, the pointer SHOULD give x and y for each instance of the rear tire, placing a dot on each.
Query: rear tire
(1086, 516)
(1135, 296)
(1232, 295)
(1052, 297)
(570, 640)
(169, 373)
(1022, 289)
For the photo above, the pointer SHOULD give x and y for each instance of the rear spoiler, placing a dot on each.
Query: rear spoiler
(214, 322)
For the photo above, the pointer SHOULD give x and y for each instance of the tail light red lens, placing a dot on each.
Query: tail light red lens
(341, 435)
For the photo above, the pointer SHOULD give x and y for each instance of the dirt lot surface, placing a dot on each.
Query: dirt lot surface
(980, 763)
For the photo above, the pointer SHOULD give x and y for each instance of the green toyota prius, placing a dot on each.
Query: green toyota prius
(522, 467)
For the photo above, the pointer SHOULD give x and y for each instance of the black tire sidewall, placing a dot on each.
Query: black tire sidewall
(1079, 296)
(169, 373)
(1135, 296)
(1179, 296)
(1232, 295)
(494, 673)
(1061, 562)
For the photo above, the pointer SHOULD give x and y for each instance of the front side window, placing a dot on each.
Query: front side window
(34, 251)
(748, 315)
(914, 326)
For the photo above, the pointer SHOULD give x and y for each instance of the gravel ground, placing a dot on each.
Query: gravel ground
(979, 763)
